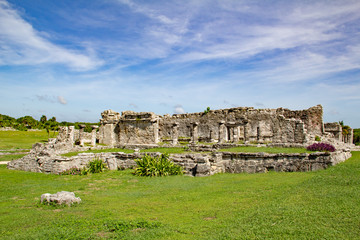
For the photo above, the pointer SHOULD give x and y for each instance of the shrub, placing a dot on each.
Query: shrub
(207, 110)
(96, 166)
(73, 171)
(321, 147)
(317, 138)
(156, 166)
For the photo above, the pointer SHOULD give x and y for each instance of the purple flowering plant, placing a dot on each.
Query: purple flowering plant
(323, 147)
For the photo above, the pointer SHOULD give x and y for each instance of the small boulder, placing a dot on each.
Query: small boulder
(60, 198)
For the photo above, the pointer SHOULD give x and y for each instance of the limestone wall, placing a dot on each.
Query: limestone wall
(239, 124)
(243, 124)
(195, 164)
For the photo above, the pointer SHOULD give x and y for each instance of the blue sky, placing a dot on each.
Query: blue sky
(74, 59)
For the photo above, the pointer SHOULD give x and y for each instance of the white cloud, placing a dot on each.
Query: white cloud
(178, 109)
(61, 100)
(21, 44)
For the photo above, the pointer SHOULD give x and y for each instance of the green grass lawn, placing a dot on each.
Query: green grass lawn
(71, 154)
(10, 157)
(21, 139)
(159, 149)
(166, 150)
(265, 149)
(116, 204)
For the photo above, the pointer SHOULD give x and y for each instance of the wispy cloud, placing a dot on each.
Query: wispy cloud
(51, 99)
(21, 44)
(61, 100)
(178, 109)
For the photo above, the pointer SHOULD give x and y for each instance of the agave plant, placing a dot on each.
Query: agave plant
(156, 166)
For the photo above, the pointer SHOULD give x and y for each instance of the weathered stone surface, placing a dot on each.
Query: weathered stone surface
(60, 198)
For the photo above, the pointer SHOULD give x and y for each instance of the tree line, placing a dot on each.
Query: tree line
(50, 125)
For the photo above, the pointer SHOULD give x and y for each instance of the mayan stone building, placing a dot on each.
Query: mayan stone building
(242, 124)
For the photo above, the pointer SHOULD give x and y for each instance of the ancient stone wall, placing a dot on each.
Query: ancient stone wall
(312, 118)
(335, 129)
(195, 164)
(236, 124)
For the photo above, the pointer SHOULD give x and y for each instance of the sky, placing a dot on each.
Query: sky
(75, 59)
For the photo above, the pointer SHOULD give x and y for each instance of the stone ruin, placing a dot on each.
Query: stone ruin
(223, 128)
(234, 125)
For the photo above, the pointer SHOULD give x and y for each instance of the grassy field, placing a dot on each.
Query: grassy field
(21, 139)
(116, 204)
(10, 157)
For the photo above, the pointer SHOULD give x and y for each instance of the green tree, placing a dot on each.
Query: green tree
(43, 119)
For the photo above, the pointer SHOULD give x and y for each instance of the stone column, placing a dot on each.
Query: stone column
(195, 134)
(109, 134)
(351, 136)
(155, 123)
(175, 133)
(236, 134)
(81, 134)
(246, 133)
(221, 131)
(71, 137)
(212, 136)
(93, 134)
(231, 132)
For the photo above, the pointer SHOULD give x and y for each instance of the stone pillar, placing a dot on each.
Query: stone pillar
(155, 124)
(246, 138)
(175, 133)
(109, 134)
(212, 139)
(221, 131)
(93, 134)
(81, 134)
(71, 137)
(231, 133)
(351, 136)
(195, 134)
(236, 134)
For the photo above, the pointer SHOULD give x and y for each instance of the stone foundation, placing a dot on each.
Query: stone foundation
(194, 164)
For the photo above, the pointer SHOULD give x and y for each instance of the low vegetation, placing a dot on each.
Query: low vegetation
(71, 154)
(10, 157)
(94, 166)
(167, 150)
(148, 166)
(323, 147)
(50, 125)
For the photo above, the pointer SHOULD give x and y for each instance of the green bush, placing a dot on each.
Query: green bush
(74, 171)
(96, 166)
(317, 138)
(156, 166)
